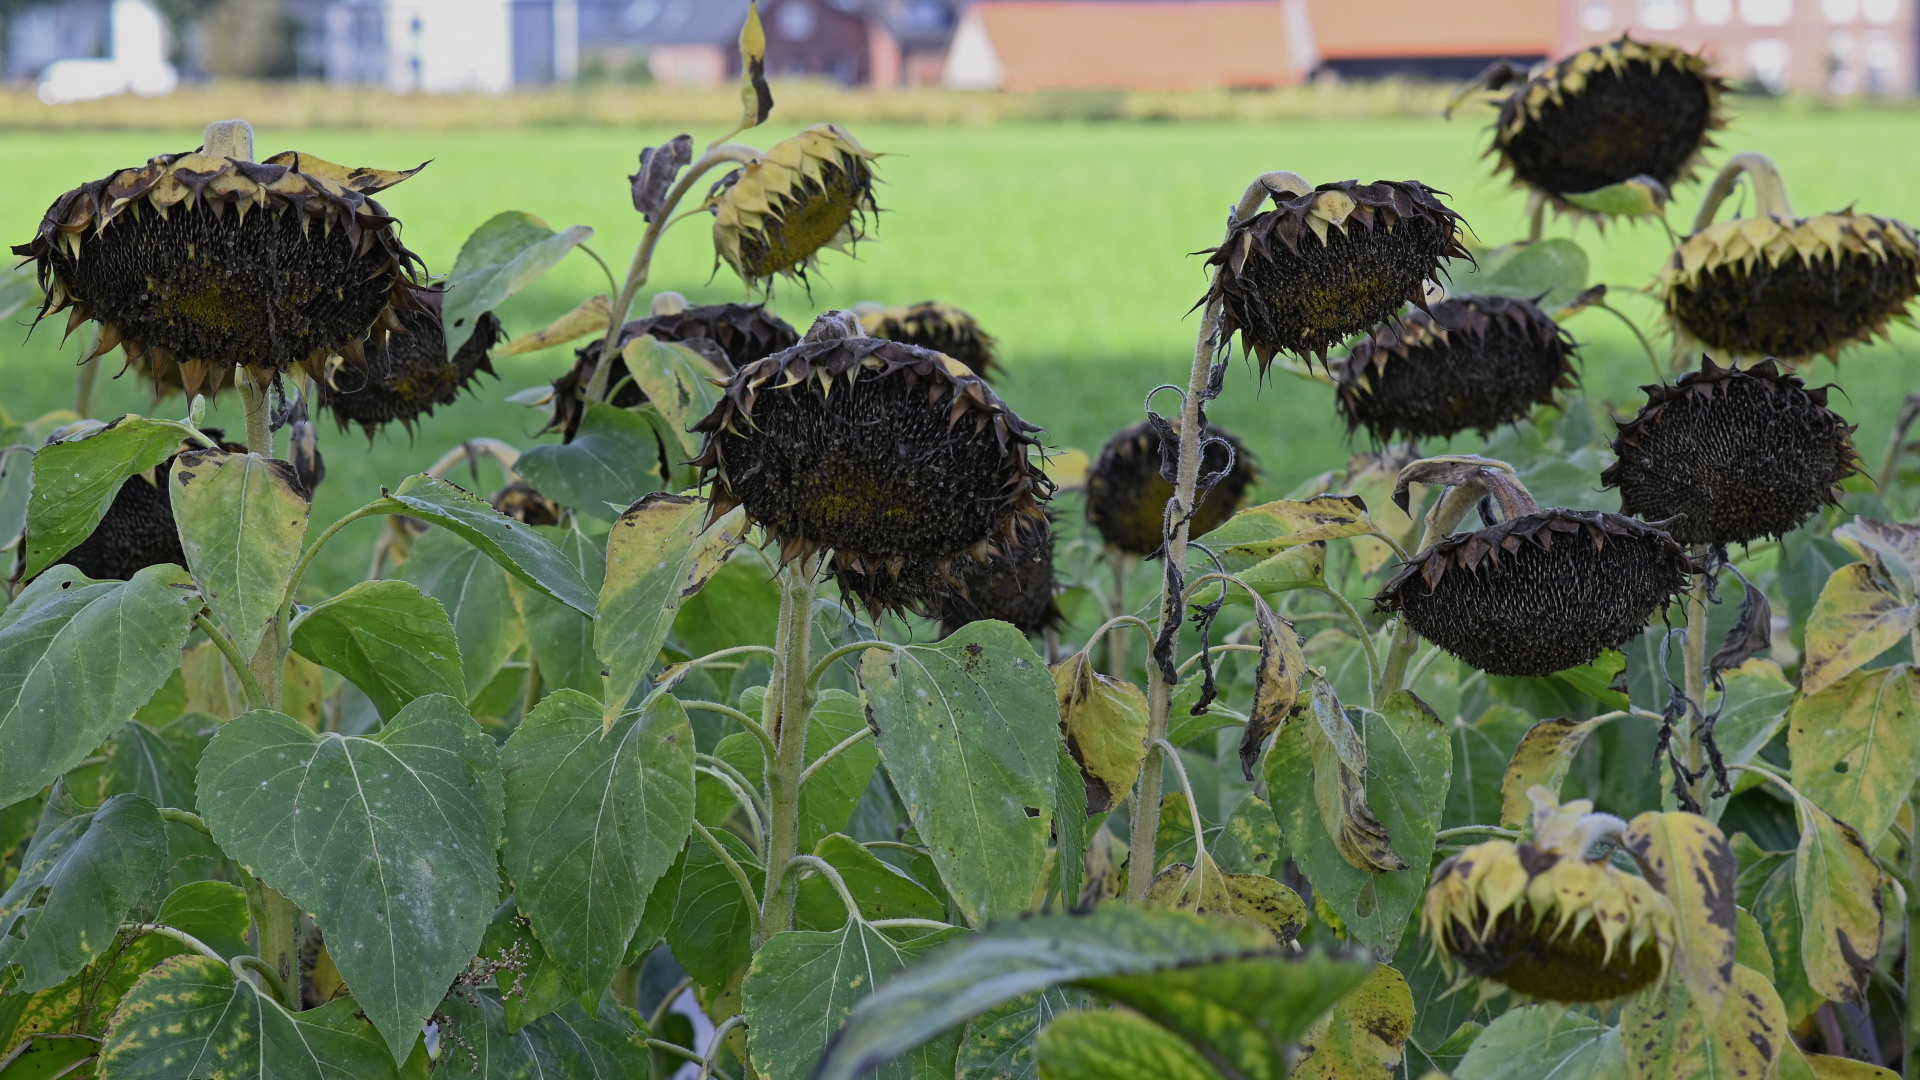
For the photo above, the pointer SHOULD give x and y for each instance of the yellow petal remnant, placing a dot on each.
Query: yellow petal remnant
(809, 192)
(1541, 919)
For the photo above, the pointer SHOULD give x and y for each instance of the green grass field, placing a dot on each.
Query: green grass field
(1070, 242)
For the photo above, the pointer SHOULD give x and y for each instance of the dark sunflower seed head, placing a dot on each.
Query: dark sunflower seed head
(408, 371)
(730, 335)
(1539, 593)
(519, 501)
(888, 455)
(940, 327)
(1320, 267)
(1608, 114)
(1731, 456)
(1470, 363)
(1127, 496)
(1534, 955)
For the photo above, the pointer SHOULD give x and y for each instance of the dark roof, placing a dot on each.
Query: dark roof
(685, 22)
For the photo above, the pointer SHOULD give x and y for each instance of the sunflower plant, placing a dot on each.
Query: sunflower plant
(799, 711)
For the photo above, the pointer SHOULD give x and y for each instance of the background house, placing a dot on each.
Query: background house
(1831, 47)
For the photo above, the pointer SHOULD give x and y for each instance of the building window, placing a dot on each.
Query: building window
(1881, 11)
(1766, 12)
(1713, 12)
(1770, 61)
(1596, 16)
(796, 20)
(1883, 63)
(1662, 14)
(1842, 78)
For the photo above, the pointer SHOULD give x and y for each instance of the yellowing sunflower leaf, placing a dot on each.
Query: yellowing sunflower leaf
(1364, 1035)
(1105, 723)
(1839, 889)
(678, 381)
(1893, 548)
(1276, 682)
(1260, 532)
(1686, 857)
(1856, 746)
(1857, 617)
(1205, 889)
(589, 318)
(1542, 759)
(1671, 1036)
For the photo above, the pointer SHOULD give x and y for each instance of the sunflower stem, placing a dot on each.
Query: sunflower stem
(1146, 803)
(785, 719)
(1117, 643)
(643, 256)
(1769, 190)
(1172, 757)
(1695, 750)
(1440, 521)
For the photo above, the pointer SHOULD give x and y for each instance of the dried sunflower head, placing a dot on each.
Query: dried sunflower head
(408, 371)
(1607, 114)
(1127, 496)
(1540, 592)
(1470, 362)
(1774, 285)
(1321, 267)
(213, 261)
(1542, 920)
(1015, 586)
(519, 501)
(730, 335)
(899, 460)
(809, 192)
(940, 327)
(138, 529)
(1729, 456)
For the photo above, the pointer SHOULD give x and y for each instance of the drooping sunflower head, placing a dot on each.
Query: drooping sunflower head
(1541, 919)
(730, 335)
(138, 529)
(1127, 496)
(1792, 288)
(1607, 114)
(940, 327)
(212, 261)
(1470, 362)
(519, 501)
(899, 460)
(809, 192)
(1539, 592)
(1321, 267)
(1015, 586)
(408, 371)
(1729, 456)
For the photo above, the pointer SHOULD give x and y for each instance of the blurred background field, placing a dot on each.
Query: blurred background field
(1071, 240)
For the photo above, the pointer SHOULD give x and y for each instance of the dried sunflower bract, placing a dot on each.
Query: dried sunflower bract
(1540, 592)
(1791, 288)
(899, 460)
(212, 262)
(1321, 267)
(940, 327)
(1607, 114)
(408, 372)
(1542, 920)
(809, 192)
(730, 335)
(1731, 456)
(1471, 362)
(1127, 496)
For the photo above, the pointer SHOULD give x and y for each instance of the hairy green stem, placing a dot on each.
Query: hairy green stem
(372, 509)
(1769, 190)
(826, 662)
(1694, 750)
(733, 867)
(279, 987)
(1165, 749)
(1360, 630)
(832, 752)
(180, 936)
(1117, 644)
(824, 868)
(676, 1049)
(708, 1066)
(1440, 522)
(666, 1003)
(755, 819)
(185, 817)
(242, 670)
(785, 718)
(745, 721)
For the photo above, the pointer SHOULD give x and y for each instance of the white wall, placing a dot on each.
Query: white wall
(449, 46)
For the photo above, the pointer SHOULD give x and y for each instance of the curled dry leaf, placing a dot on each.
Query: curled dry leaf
(1276, 682)
(1340, 786)
(659, 166)
(1204, 889)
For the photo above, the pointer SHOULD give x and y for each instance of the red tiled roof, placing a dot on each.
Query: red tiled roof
(1088, 44)
(1344, 29)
